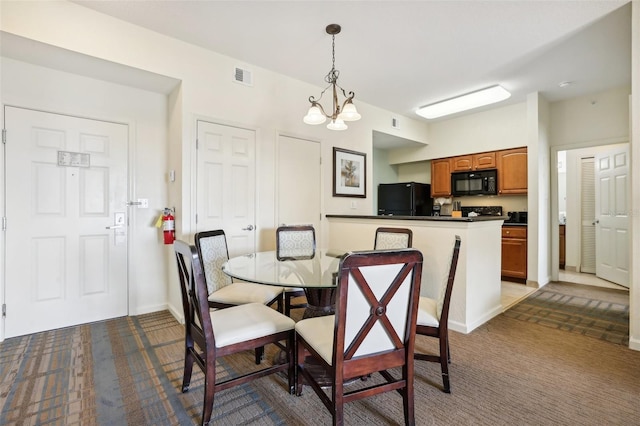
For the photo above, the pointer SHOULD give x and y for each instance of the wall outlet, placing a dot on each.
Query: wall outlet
(354, 204)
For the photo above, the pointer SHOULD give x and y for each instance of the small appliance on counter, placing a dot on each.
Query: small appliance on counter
(481, 211)
(517, 217)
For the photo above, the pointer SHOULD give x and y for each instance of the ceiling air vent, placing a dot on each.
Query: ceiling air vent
(243, 76)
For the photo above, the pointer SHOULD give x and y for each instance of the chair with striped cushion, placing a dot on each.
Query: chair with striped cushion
(223, 291)
(295, 242)
(392, 238)
(433, 317)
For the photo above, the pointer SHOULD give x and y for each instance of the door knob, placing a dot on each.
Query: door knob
(248, 228)
(595, 221)
(113, 227)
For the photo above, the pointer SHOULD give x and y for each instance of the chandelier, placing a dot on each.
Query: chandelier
(339, 114)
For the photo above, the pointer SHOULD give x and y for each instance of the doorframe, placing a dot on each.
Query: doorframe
(131, 186)
(555, 211)
(192, 192)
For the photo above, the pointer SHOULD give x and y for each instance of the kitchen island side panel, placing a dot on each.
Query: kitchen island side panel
(477, 287)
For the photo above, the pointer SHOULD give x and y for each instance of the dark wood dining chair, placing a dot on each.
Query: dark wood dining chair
(295, 242)
(372, 331)
(211, 334)
(392, 238)
(433, 318)
(224, 291)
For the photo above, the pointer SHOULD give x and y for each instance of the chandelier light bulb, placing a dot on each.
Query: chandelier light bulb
(337, 124)
(349, 113)
(314, 116)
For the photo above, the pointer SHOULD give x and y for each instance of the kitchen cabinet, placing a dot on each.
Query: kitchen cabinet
(462, 163)
(481, 161)
(512, 171)
(440, 178)
(562, 246)
(514, 253)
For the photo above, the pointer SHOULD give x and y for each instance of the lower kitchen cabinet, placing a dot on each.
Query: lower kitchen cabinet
(514, 253)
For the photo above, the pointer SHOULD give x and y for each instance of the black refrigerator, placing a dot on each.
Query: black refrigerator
(405, 199)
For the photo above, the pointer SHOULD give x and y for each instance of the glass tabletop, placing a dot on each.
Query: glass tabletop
(264, 268)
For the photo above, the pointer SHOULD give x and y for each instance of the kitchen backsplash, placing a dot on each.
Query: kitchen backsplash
(508, 202)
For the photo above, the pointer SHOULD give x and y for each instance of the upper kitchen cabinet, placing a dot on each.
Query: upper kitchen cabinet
(441, 178)
(512, 171)
(465, 163)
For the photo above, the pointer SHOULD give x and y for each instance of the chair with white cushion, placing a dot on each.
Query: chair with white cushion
(372, 331)
(296, 242)
(433, 317)
(392, 238)
(223, 291)
(212, 334)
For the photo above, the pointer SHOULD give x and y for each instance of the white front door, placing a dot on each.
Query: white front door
(298, 182)
(612, 215)
(66, 185)
(225, 184)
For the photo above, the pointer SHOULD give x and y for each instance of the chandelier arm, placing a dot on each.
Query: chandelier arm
(349, 98)
(321, 109)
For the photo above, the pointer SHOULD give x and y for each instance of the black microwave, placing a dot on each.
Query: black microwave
(484, 182)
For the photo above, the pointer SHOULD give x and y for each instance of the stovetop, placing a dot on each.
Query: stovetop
(482, 211)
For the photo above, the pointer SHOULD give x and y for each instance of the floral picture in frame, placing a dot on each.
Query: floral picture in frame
(349, 173)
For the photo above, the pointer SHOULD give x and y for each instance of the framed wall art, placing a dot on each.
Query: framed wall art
(349, 173)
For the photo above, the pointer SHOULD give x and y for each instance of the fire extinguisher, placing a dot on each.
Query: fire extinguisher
(168, 226)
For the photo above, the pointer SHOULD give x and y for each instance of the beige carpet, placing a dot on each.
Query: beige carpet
(596, 312)
(129, 371)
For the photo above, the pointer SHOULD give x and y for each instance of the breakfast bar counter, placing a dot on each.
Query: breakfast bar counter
(477, 287)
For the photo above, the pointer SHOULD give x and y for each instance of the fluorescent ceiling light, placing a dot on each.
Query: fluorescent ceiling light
(471, 100)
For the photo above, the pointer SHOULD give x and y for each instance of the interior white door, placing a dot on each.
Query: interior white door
(587, 216)
(66, 185)
(612, 215)
(298, 182)
(225, 184)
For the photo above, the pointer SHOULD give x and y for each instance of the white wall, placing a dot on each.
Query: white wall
(274, 104)
(145, 113)
(492, 130)
(600, 116)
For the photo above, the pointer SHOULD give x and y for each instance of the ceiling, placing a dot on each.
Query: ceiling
(400, 55)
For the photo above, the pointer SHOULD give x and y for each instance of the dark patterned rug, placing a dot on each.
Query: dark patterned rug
(128, 371)
(591, 311)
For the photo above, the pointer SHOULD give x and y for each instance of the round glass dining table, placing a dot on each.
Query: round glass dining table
(317, 276)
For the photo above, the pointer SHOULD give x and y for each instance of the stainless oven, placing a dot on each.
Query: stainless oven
(484, 182)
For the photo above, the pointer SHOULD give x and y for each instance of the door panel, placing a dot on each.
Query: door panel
(298, 182)
(612, 215)
(63, 266)
(225, 184)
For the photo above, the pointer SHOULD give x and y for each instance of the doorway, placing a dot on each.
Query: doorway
(587, 194)
(298, 182)
(67, 220)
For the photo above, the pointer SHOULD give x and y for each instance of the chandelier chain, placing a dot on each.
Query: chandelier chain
(332, 76)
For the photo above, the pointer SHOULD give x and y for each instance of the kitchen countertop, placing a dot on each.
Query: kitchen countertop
(513, 224)
(422, 218)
